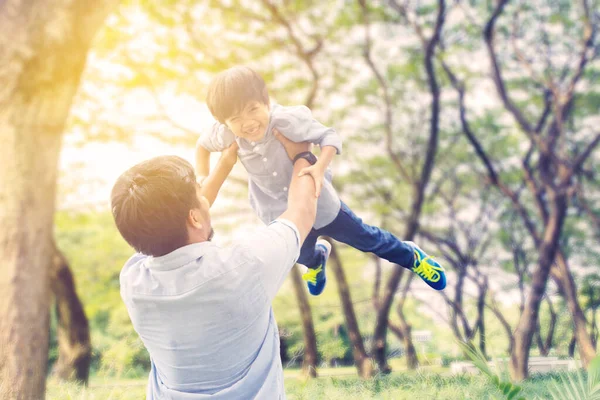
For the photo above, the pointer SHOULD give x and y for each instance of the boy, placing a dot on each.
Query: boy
(239, 101)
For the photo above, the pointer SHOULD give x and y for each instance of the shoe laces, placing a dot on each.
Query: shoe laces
(426, 270)
(311, 275)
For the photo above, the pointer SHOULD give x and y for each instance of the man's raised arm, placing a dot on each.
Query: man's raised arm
(277, 246)
(302, 202)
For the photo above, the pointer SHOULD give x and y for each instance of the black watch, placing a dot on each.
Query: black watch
(308, 156)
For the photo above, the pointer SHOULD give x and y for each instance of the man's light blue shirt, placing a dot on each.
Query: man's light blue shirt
(204, 314)
(269, 167)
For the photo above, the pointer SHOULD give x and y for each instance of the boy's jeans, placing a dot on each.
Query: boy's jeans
(348, 228)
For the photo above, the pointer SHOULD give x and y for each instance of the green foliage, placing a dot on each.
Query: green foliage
(96, 254)
(509, 389)
(170, 49)
(404, 385)
(575, 388)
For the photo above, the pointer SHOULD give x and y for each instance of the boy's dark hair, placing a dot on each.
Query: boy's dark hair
(232, 89)
(151, 201)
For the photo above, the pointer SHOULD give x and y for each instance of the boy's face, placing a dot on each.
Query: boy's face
(251, 123)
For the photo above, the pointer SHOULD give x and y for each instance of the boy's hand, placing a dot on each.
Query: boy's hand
(229, 155)
(317, 172)
(291, 148)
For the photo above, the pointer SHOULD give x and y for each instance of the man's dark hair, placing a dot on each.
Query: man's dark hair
(232, 89)
(151, 201)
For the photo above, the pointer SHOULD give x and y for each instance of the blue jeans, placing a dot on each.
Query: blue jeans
(350, 229)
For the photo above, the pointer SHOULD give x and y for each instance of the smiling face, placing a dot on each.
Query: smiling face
(238, 97)
(251, 122)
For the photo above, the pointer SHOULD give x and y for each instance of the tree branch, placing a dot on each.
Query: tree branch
(493, 176)
(580, 160)
(305, 55)
(388, 125)
(488, 34)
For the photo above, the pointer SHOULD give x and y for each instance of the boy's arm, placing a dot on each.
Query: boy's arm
(317, 171)
(298, 125)
(216, 139)
(210, 185)
(202, 162)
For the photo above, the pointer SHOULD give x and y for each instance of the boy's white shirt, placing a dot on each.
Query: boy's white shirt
(268, 166)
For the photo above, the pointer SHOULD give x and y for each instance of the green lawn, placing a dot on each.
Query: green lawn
(335, 383)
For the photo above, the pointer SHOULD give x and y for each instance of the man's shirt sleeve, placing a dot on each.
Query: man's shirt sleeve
(276, 248)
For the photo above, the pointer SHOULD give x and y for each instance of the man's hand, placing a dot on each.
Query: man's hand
(291, 148)
(229, 155)
(317, 172)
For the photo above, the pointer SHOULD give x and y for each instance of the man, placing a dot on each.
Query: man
(203, 311)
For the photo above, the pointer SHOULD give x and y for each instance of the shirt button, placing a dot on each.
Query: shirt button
(265, 159)
(285, 189)
(256, 148)
(252, 143)
(275, 173)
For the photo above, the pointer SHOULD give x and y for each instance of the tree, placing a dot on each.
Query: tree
(74, 347)
(549, 169)
(418, 184)
(43, 49)
(590, 290)
(310, 359)
(464, 244)
(361, 359)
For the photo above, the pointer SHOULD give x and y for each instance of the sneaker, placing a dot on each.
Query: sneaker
(315, 277)
(428, 269)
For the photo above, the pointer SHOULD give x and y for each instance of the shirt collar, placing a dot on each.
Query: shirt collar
(179, 257)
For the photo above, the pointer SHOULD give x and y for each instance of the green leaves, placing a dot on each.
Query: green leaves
(509, 389)
(594, 378)
(575, 388)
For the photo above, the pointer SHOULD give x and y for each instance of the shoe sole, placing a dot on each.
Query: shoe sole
(327, 246)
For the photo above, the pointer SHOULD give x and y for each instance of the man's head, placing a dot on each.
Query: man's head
(238, 97)
(158, 208)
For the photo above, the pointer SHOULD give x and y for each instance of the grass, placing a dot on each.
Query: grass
(419, 385)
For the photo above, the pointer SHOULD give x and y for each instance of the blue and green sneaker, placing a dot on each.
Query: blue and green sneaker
(315, 277)
(428, 269)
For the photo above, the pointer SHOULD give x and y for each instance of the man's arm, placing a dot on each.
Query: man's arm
(277, 246)
(215, 139)
(317, 171)
(302, 201)
(211, 184)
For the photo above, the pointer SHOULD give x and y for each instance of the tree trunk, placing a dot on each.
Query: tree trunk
(309, 361)
(418, 198)
(412, 361)
(456, 307)
(572, 344)
(545, 346)
(481, 317)
(43, 47)
(564, 279)
(377, 283)
(361, 359)
(74, 347)
(381, 323)
(594, 330)
(529, 318)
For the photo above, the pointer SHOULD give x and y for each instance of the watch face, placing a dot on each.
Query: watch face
(310, 157)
